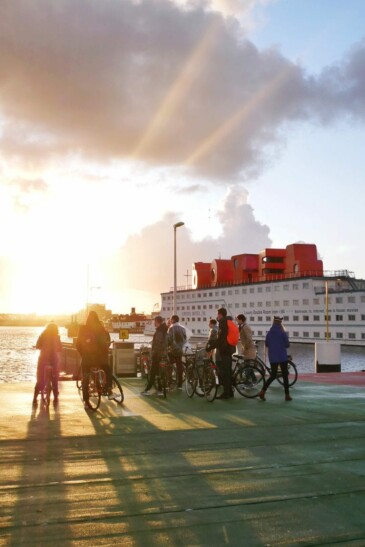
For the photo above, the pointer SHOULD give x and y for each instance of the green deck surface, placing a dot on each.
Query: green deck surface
(184, 471)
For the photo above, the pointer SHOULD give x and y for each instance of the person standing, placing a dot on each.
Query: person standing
(248, 345)
(49, 344)
(159, 347)
(93, 343)
(226, 351)
(277, 342)
(211, 346)
(176, 340)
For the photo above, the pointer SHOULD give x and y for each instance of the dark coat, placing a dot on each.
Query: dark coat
(277, 341)
(93, 345)
(159, 341)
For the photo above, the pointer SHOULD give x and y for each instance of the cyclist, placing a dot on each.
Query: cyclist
(159, 347)
(49, 344)
(277, 342)
(93, 345)
(176, 340)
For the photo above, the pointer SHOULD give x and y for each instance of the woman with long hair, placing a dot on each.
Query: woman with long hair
(93, 345)
(49, 344)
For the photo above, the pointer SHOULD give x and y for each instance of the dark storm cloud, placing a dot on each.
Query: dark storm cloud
(156, 82)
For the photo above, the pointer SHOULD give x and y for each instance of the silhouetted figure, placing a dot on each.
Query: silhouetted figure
(159, 347)
(49, 344)
(93, 345)
(176, 340)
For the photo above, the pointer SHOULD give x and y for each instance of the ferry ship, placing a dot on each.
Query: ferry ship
(316, 305)
(134, 322)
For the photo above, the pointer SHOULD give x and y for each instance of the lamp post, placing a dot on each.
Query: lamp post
(177, 225)
(327, 319)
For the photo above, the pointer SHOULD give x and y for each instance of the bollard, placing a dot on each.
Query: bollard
(327, 357)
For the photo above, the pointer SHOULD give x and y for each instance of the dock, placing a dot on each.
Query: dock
(185, 472)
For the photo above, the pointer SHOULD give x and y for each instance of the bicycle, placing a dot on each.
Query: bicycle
(47, 385)
(194, 364)
(210, 379)
(145, 360)
(292, 370)
(166, 379)
(247, 379)
(97, 387)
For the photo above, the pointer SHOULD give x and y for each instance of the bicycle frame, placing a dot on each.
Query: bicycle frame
(47, 384)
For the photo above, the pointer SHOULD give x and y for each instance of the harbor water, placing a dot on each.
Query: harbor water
(18, 358)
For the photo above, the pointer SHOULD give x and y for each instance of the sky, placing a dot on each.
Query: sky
(244, 119)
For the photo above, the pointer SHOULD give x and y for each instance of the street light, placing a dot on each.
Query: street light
(177, 225)
(327, 319)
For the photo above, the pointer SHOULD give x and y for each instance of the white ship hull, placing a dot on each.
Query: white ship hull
(302, 301)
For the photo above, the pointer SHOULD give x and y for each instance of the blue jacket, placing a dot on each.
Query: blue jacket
(277, 341)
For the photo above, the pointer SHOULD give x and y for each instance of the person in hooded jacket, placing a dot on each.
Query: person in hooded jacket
(277, 342)
(159, 347)
(93, 343)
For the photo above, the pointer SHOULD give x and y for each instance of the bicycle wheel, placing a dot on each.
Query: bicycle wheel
(248, 381)
(191, 380)
(117, 395)
(47, 387)
(163, 381)
(48, 391)
(199, 390)
(292, 374)
(94, 394)
(260, 364)
(79, 378)
(210, 385)
(171, 377)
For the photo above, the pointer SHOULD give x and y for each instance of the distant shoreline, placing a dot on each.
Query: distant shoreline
(34, 323)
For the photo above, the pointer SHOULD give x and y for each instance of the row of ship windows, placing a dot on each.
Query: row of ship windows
(305, 334)
(192, 296)
(268, 318)
(269, 303)
(337, 317)
(251, 290)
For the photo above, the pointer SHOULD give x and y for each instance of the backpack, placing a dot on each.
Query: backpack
(233, 334)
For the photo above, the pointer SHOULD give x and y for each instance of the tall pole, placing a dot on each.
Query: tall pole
(327, 321)
(87, 288)
(177, 225)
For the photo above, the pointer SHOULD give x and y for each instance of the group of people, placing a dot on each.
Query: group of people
(168, 338)
(93, 344)
(171, 338)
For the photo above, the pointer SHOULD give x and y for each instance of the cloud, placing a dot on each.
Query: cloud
(27, 186)
(146, 259)
(157, 82)
(26, 192)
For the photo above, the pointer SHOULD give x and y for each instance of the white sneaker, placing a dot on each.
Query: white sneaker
(145, 393)
(159, 393)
